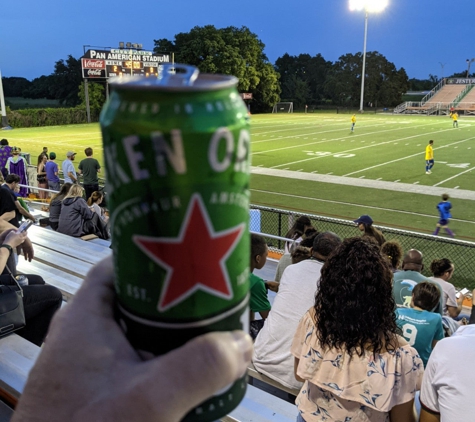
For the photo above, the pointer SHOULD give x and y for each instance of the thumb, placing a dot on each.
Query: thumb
(193, 373)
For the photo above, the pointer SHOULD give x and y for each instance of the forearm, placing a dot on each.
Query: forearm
(4, 255)
(7, 216)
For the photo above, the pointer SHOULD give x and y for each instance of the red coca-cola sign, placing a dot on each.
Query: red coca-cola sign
(93, 64)
(93, 73)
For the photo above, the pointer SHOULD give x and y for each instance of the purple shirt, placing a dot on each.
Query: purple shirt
(51, 168)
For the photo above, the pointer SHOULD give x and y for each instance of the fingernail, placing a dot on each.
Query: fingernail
(243, 342)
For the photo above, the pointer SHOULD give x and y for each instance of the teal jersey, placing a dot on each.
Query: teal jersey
(420, 329)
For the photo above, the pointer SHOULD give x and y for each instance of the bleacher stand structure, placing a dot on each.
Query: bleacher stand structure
(451, 94)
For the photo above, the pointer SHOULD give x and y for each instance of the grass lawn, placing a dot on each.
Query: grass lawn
(382, 148)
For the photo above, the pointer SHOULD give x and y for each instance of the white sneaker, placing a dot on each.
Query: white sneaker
(427, 172)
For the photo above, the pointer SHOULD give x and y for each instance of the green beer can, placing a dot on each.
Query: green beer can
(177, 161)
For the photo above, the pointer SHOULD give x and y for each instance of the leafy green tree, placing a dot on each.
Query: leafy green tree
(66, 80)
(230, 51)
(14, 87)
(96, 93)
(303, 78)
(40, 88)
(384, 84)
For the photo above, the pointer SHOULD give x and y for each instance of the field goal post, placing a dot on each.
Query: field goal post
(284, 107)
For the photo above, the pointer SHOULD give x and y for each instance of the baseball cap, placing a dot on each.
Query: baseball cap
(52, 155)
(365, 219)
(70, 154)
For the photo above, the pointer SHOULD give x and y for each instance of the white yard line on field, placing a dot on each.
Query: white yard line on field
(453, 177)
(355, 205)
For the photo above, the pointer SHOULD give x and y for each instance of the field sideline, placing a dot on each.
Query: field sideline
(312, 163)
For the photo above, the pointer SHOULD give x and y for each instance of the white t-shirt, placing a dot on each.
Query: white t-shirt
(296, 296)
(448, 385)
(449, 293)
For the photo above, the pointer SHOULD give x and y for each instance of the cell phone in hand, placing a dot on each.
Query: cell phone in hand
(462, 292)
(25, 226)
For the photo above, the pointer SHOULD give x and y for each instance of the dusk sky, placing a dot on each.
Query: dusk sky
(418, 35)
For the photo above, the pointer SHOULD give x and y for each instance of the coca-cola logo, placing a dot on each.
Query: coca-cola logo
(93, 64)
(94, 72)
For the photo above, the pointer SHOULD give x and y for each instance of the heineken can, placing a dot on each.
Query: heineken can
(177, 159)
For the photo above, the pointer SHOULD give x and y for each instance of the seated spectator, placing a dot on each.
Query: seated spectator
(443, 269)
(300, 253)
(74, 370)
(392, 250)
(10, 201)
(286, 259)
(346, 348)
(55, 205)
(296, 295)
(40, 302)
(405, 280)
(94, 202)
(448, 384)
(421, 327)
(258, 301)
(365, 224)
(76, 219)
(301, 225)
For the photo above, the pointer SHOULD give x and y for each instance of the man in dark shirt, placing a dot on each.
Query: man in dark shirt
(89, 167)
(10, 208)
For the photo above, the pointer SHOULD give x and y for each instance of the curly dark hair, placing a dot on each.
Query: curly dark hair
(298, 226)
(393, 251)
(439, 267)
(354, 305)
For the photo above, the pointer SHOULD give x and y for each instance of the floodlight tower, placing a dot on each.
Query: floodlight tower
(369, 6)
(469, 62)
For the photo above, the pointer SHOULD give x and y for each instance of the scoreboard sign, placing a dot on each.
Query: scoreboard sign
(111, 63)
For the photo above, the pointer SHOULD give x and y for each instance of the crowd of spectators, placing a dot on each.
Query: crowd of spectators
(354, 324)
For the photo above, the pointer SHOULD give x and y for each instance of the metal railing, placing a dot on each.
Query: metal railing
(433, 91)
(277, 222)
(459, 97)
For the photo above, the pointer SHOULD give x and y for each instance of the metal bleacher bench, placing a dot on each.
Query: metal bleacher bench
(63, 261)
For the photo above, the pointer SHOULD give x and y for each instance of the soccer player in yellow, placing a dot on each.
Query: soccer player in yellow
(353, 122)
(455, 118)
(429, 157)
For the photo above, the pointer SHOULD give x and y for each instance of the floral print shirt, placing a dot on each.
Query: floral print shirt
(358, 390)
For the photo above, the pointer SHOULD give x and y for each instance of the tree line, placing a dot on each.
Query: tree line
(303, 79)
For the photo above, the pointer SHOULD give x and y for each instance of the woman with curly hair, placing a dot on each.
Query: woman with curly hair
(365, 224)
(392, 250)
(443, 270)
(346, 348)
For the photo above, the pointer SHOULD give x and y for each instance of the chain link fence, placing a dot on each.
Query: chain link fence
(277, 222)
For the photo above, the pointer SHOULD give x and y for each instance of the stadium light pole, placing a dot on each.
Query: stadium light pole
(369, 6)
(469, 62)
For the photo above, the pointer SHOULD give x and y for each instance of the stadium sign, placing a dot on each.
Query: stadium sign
(118, 62)
(464, 81)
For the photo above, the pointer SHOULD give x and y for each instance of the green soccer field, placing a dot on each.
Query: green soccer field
(312, 163)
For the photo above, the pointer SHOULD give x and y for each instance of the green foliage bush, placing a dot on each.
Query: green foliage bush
(50, 117)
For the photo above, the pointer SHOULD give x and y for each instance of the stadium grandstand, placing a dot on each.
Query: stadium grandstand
(449, 95)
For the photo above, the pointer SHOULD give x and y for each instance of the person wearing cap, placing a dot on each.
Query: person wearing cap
(52, 170)
(365, 224)
(69, 172)
(17, 164)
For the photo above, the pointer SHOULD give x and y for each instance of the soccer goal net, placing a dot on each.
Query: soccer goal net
(286, 107)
